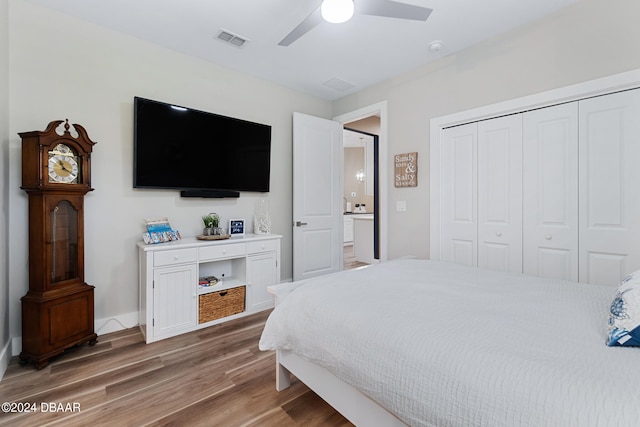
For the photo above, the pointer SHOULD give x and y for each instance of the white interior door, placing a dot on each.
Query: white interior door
(459, 218)
(500, 193)
(609, 145)
(317, 196)
(551, 192)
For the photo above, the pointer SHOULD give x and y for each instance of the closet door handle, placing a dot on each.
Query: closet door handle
(300, 223)
(499, 234)
(548, 237)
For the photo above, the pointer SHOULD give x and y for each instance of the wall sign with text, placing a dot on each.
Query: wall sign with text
(405, 169)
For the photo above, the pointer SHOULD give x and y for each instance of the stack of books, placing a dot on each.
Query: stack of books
(205, 282)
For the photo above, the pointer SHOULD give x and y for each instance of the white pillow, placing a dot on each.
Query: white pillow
(624, 313)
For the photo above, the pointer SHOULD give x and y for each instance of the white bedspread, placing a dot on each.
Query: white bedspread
(439, 344)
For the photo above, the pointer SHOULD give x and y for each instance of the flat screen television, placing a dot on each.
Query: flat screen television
(200, 153)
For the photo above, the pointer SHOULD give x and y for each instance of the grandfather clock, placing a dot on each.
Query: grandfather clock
(57, 312)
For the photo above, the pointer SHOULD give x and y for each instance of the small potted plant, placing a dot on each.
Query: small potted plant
(211, 224)
(208, 222)
(215, 226)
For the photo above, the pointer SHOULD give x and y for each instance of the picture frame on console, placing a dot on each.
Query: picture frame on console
(236, 227)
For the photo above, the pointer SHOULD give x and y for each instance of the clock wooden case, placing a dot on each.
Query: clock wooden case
(58, 309)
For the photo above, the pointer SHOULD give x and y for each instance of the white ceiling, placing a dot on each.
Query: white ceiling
(362, 51)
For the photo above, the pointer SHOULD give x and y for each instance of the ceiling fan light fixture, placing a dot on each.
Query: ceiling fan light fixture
(337, 11)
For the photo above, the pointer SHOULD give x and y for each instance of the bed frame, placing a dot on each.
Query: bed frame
(344, 398)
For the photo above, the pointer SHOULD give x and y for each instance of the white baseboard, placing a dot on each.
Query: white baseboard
(5, 356)
(16, 346)
(101, 326)
(116, 323)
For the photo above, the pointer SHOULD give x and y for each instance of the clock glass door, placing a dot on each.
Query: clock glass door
(64, 242)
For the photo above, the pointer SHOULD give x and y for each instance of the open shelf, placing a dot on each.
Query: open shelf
(226, 283)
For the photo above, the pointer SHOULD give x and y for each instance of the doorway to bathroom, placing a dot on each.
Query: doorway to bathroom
(360, 193)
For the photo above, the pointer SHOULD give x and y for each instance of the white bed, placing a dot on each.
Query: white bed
(426, 343)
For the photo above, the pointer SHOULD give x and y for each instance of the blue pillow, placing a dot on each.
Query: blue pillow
(624, 313)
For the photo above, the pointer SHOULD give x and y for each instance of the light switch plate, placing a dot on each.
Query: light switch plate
(401, 206)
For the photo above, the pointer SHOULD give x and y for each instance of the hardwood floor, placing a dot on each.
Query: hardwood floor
(211, 377)
(349, 259)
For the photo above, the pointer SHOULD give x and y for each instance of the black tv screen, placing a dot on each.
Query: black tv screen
(186, 149)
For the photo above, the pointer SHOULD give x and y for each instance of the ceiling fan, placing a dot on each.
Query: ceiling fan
(337, 11)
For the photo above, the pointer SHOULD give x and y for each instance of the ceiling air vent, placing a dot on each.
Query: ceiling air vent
(338, 84)
(232, 39)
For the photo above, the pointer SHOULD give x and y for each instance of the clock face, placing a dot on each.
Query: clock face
(63, 165)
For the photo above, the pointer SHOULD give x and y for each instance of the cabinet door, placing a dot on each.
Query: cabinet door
(459, 225)
(262, 271)
(174, 300)
(550, 188)
(348, 230)
(500, 193)
(609, 175)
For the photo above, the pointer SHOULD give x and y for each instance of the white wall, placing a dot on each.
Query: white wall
(61, 67)
(4, 179)
(592, 39)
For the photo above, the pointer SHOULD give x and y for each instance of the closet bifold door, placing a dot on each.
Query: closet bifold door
(609, 170)
(500, 193)
(550, 192)
(458, 203)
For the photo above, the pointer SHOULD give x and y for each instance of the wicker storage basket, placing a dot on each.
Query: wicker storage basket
(216, 305)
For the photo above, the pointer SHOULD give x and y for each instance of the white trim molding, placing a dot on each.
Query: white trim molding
(5, 357)
(117, 323)
(378, 109)
(102, 326)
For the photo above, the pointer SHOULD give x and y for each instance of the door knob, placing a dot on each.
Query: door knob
(300, 223)
(548, 237)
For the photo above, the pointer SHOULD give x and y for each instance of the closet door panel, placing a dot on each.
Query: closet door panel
(609, 180)
(458, 202)
(500, 193)
(550, 192)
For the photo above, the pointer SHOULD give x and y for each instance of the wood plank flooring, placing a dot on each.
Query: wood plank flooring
(349, 259)
(211, 377)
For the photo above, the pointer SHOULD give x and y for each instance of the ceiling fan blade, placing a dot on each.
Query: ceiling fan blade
(392, 9)
(305, 26)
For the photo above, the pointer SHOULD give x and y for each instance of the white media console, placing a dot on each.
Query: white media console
(172, 301)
